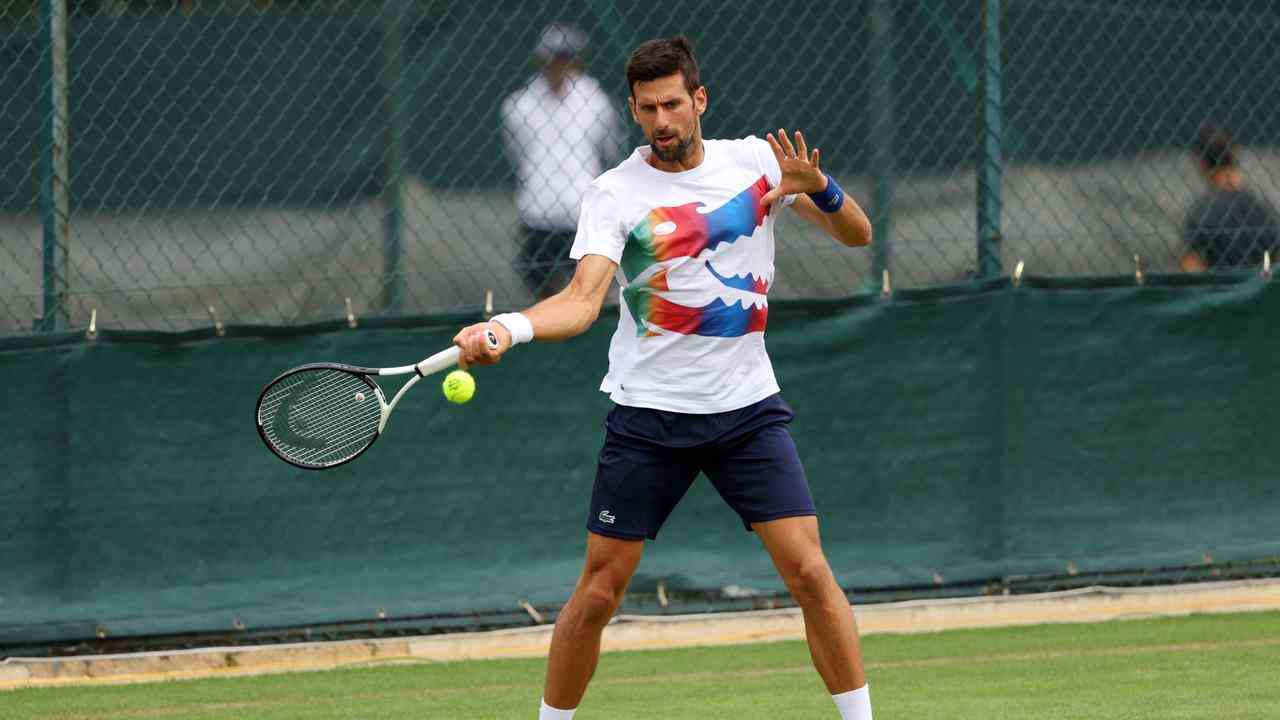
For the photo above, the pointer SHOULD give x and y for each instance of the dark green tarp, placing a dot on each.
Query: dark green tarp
(969, 432)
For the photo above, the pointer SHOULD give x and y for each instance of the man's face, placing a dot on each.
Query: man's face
(669, 115)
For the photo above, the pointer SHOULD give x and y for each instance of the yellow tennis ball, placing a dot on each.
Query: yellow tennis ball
(459, 386)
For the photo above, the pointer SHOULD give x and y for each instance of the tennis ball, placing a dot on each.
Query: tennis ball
(459, 386)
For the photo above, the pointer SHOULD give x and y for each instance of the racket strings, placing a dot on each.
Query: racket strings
(326, 424)
(320, 417)
(326, 405)
(312, 424)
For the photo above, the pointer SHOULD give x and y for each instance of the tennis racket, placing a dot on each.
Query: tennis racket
(322, 415)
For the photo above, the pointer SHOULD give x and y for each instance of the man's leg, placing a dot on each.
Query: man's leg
(794, 545)
(575, 644)
(638, 483)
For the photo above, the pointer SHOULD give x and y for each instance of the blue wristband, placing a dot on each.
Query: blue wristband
(831, 199)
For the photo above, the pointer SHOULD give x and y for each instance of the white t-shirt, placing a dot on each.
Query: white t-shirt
(695, 257)
(559, 143)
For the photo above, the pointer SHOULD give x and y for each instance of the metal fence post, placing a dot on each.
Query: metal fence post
(393, 12)
(54, 201)
(881, 109)
(989, 161)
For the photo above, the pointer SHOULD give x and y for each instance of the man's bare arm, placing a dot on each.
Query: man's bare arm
(849, 225)
(571, 311)
(566, 314)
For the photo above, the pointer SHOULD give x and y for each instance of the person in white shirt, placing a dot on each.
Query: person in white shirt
(685, 228)
(560, 129)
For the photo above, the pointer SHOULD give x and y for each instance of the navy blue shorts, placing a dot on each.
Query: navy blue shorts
(651, 458)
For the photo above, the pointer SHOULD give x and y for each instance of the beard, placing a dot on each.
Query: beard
(675, 152)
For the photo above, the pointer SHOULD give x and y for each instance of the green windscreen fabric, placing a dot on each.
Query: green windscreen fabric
(966, 433)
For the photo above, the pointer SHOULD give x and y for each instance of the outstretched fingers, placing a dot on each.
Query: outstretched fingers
(801, 167)
(786, 144)
(803, 153)
(778, 153)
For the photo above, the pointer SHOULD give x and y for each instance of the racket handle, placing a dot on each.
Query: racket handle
(439, 361)
(449, 357)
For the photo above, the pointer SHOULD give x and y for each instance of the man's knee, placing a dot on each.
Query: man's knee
(609, 566)
(597, 597)
(808, 577)
(603, 584)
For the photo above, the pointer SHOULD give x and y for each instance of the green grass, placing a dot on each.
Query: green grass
(1220, 666)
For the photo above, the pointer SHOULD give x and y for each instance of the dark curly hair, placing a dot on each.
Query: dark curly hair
(659, 58)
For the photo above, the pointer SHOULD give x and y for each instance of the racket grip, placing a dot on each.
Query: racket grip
(439, 361)
(449, 357)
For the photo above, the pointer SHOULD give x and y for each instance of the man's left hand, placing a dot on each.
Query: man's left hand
(801, 172)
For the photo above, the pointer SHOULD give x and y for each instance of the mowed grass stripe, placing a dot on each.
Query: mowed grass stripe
(700, 677)
(756, 678)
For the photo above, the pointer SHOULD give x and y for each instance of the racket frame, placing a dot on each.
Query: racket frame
(363, 373)
(429, 366)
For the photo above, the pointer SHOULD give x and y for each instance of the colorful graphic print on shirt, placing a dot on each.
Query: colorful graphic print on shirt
(668, 233)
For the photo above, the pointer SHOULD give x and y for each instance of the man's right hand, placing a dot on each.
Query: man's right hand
(473, 343)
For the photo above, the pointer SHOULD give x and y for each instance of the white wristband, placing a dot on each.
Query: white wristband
(517, 324)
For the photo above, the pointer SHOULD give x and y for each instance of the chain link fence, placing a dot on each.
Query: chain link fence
(269, 162)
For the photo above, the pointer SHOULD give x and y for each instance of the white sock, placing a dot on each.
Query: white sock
(549, 713)
(855, 704)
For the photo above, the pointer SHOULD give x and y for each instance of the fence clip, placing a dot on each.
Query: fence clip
(488, 304)
(1017, 273)
(533, 612)
(1137, 270)
(92, 332)
(351, 316)
(886, 289)
(1266, 265)
(218, 327)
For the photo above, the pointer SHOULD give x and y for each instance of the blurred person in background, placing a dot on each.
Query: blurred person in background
(561, 131)
(1228, 227)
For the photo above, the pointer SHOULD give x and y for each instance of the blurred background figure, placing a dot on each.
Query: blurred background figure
(561, 131)
(1228, 227)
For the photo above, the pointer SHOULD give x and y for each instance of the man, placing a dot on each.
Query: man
(686, 227)
(1228, 227)
(560, 129)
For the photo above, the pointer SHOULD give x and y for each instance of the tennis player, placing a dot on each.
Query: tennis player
(685, 225)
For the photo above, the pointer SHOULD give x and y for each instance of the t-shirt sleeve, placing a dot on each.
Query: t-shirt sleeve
(599, 227)
(768, 164)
